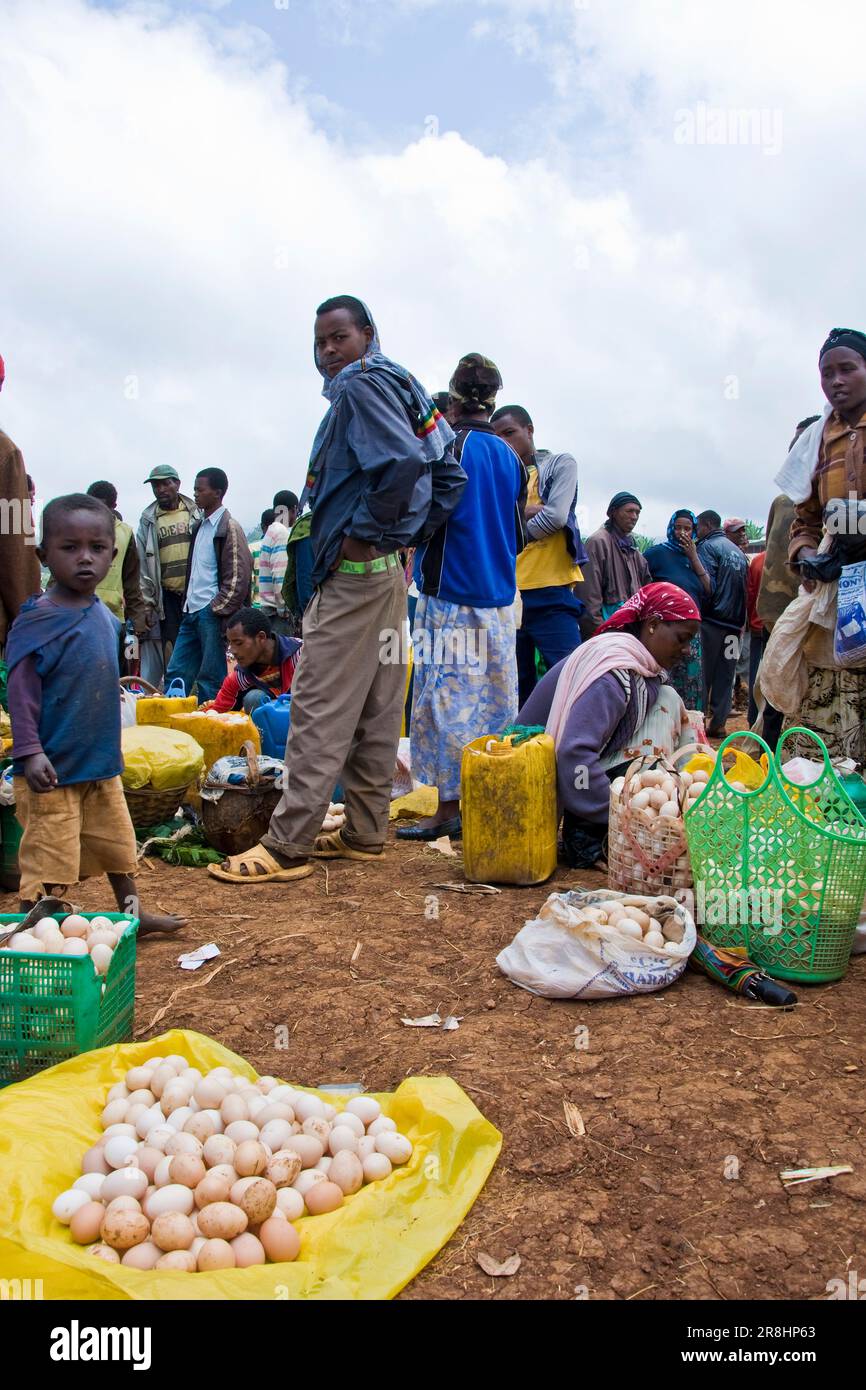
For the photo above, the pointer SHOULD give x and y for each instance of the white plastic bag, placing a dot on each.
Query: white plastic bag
(563, 955)
(127, 708)
(403, 781)
(849, 645)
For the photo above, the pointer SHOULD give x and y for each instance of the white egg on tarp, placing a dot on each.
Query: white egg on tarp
(68, 1203)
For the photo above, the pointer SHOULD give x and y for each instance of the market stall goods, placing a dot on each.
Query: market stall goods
(201, 1171)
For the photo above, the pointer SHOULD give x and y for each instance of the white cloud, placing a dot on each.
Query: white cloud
(174, 214)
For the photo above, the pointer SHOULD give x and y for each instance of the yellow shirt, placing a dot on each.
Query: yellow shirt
(544, 564)
(173, 537)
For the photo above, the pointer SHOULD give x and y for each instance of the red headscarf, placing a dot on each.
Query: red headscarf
(666, 601)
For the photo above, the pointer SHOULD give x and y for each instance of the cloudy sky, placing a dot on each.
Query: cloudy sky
(648, 212)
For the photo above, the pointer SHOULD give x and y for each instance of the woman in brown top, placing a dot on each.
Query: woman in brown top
(835, 703)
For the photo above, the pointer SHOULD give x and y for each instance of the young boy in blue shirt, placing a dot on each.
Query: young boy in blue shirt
(65, 708)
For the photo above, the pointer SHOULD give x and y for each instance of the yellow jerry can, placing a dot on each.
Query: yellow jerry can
(509, 811)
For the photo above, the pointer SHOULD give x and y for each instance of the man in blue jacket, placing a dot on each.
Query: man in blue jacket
(382, 478)
(723, 617)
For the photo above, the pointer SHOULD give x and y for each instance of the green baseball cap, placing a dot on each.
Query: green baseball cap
(162, 470)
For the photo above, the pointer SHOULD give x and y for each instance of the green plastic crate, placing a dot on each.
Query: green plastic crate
(10, 839)
(795, 855)
(53, 1007)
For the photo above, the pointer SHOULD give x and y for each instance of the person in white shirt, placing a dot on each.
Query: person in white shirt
(218, 576)
(273, 558)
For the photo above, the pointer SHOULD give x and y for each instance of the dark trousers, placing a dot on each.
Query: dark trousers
(551, 622)
(721, 649)
(172, 606)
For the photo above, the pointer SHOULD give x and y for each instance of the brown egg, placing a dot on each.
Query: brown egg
(251, 1158)
(122, 1204)
(258, 1201)
(177, 1259)
(234, 1107)
(274, 1111)
(105, 1252)
(86, 1223)
(323, 1197)
(212, 1188)
(248, 1250)
(283, 1168)
(221, 1221)
(280, 1240)
(347, 1172)
(187, 1169)
(239, 1188)
(202, 1127)
(218, 1149)
(216, 1254)
(94, 1160)
(143, 1256)
(309, 1148)
(173, 1231)
(147, 1159)
(122, 1229)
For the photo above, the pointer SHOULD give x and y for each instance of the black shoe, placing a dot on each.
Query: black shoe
(452, 827)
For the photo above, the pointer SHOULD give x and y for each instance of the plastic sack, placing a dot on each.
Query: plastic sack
(159, 757)
(744, 769)
(233, 771)
(7, 787)
(403, 783)
(368, 1249)
(849, 642)
(564, 955)
(128, 702)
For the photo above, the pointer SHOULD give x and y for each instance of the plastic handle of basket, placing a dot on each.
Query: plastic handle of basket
(253, 773)
(127, 681)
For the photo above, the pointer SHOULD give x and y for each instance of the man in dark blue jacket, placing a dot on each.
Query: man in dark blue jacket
(382, 478)
(723, 617)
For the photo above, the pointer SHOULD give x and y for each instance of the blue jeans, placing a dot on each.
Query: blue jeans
(550, 623)
(199, 656)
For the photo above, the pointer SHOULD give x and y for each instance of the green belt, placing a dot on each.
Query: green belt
(377, 566)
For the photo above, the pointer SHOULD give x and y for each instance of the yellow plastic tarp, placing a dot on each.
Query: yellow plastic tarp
(158, 757)
(369, 1249)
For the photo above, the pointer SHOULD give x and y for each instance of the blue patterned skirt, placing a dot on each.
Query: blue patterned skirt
(465, 685)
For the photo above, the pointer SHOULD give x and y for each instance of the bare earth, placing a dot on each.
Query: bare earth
(675, 1089)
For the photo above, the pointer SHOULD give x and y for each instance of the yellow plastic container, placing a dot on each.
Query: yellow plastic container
(157, 709)
(219, 735)
(510, 820)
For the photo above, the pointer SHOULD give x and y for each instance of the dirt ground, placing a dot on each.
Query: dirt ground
(675, 1089)
(693, 1099)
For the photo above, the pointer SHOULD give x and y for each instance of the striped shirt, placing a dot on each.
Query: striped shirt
(173, 536)
(273, 559)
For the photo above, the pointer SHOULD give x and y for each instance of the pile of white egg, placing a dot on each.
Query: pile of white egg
(72, 936)
(659, 793)
(208, 1171)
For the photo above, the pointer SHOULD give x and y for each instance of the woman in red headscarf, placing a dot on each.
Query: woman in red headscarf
(607, 702)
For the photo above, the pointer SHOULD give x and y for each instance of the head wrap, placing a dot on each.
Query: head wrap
(733, 523)
(668, 602)
(622, 499)
(2, 371)
(625, 540)
(433, 430)
(845, 338)
(672, 541)
(475, 382)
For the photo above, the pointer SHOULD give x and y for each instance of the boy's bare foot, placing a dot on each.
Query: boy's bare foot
(152, 922)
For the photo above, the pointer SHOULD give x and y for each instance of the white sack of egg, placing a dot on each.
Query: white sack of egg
(202, 1172)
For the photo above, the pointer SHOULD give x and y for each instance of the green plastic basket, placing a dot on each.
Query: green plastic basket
(781, 870)
(53, 1007)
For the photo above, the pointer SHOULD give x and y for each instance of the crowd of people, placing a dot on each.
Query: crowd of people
(443, 508)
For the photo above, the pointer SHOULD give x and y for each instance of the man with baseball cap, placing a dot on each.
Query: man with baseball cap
(19, 565)
(164, 535)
